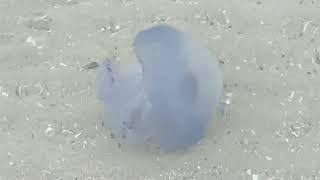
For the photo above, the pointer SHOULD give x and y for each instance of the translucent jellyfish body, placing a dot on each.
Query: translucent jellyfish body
(168, 97)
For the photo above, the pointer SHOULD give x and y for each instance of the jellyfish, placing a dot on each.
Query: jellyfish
(168, 97)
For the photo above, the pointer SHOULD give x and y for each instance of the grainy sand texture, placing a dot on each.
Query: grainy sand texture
(268, 125)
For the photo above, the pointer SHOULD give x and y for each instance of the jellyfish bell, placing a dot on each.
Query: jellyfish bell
(169, 96)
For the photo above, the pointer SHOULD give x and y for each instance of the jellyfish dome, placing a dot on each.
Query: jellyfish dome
(168, 97)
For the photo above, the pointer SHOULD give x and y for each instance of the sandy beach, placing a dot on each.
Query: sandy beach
(268, 125)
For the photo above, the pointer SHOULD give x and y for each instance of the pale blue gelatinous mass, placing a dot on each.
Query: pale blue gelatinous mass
(169, 96)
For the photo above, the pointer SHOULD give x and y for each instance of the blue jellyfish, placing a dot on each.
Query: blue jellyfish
(168, 96)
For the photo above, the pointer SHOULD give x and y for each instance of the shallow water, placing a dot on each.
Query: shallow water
(50, 117)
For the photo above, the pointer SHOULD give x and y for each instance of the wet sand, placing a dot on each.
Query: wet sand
(50, 118)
